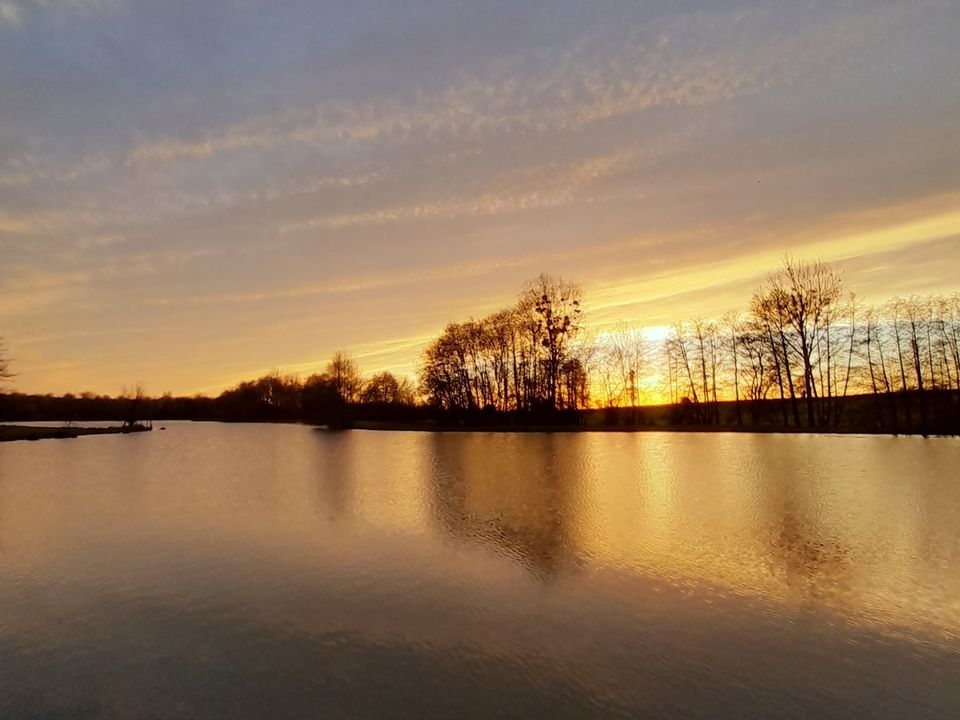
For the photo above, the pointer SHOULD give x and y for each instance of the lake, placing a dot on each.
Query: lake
(253, 571)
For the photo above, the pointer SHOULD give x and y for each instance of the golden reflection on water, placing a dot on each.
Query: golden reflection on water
(246, 571)
(865, 528)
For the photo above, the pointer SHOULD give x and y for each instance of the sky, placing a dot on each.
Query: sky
(196, 193)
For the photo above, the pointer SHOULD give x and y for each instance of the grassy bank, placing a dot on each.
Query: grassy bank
(931, 413)
(433, 427)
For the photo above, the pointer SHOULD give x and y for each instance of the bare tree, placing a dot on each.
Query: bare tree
(345, 374)
(573, 392)
(631, 351)
(602, 367)
(556, 306)
(683, 346)
(5, 374)
(133, 398)
(769, 309)
(618, 361)
(797, 303)
(913, 312)
(948, 339)
(758, 368)
(385, 387)
(515, 359)
(734, 327)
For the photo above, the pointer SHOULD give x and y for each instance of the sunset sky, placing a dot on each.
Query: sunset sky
(194, 193)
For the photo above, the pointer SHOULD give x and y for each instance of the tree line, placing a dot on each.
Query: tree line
(327, 397)
(331, 397)
(804, 354)
(520, 358)
(809, 345)
(796, 358)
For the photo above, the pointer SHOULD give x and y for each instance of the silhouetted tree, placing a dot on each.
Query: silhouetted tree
(683, 345)
(811, 290)
(619, 361)
(384, 387)
(5, 373)
(555, 304)
(757, 369)
(734, 327)
(271, 398)
(574, 387)
(133, 401)
(793, 304)
(511, 360)
(345, 373)
(322, 402)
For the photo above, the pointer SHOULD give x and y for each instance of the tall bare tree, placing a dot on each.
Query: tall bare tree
(797, 302)
(769, 309)
(5, 372)
(631, 352)
(133, 400)
(734, 327)
(618, 361)
(556, 306)
(345, 374)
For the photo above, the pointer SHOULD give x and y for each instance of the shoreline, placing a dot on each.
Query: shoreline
(520, 429)
(30, 433)
(13, 432)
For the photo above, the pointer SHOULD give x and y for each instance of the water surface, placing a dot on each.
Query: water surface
(250, 571)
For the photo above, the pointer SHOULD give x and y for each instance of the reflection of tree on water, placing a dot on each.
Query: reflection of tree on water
(336, 479)
(516, 501)
(804, 554)
(801, 551)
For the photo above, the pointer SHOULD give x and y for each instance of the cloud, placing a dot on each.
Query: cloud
(345, 285)
(32, 289)
(715, 277)
(43, 222)
(13, 225)
(562, 94)
(527, 189)
(10, 13)
(13, 12)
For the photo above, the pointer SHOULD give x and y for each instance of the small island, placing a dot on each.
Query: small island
(10, 433)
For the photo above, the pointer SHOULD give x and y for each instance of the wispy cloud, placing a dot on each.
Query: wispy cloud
(715, 277)
(15, 12)
(561, 93)
(10, 13)
(345, 286)
(31, 289)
